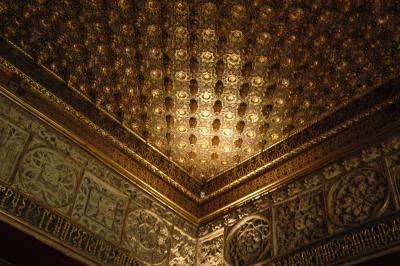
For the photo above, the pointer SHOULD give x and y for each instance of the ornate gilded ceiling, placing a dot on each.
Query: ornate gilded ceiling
(211, 83)
(207, 95)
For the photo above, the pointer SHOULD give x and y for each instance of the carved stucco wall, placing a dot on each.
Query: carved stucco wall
(44, 165)
(337, 199)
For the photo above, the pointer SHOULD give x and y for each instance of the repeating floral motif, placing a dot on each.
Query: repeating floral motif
(249, 241)
(12, 141)
(148, 236)
(211, 252)
(183, 250)
(358, 197)
(100, 208)
(300, 221)
(49, 176)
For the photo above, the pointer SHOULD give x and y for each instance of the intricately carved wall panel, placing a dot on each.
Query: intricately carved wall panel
(148, 236)
(358, 197)
(49, 176)
(183, 250)
(100, 208)
(249, 241)
(300, 221)
(393, 163)
(210, 251)
(12, 141)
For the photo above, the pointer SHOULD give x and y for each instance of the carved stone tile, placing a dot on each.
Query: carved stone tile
(100, 208)
(249, 241)
(183, 249)
(358, 197)
(210, 251)
(12, 142)
(147, 236)
(393, 163)
(49, 176)
(300, 221)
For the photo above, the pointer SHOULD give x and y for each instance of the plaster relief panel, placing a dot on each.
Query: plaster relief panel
(300, 221)
(49, 176)
(358, 197)
(249, 241)
(393, 163)
(12, 142)
(183, 249)
(100, 208)
(147, 236)
(210, 251)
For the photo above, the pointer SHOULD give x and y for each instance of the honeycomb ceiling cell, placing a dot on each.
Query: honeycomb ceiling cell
(211, 83)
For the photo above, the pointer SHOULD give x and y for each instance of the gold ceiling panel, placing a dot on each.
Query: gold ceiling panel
(211, 83)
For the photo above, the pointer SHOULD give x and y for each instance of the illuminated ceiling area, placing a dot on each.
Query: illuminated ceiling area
(211, 83)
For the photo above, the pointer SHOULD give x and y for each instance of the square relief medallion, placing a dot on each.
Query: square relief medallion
(12, 142)
(100, 208)
(49, 176)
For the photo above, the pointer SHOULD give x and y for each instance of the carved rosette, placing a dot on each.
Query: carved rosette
(358, 197)
(148, 236)
(249, 241)
(49, 176)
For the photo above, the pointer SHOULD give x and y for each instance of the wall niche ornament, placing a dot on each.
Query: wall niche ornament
(358, 197)
(148, 236)
(49, 176)
(249, 241)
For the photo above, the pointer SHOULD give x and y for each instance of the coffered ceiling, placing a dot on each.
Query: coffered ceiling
(206, 85)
